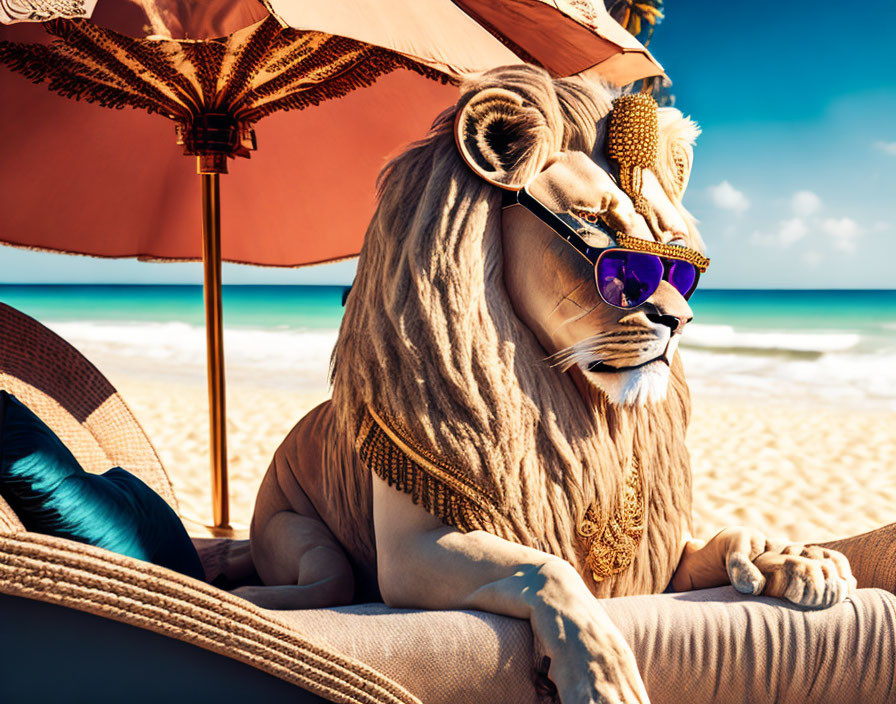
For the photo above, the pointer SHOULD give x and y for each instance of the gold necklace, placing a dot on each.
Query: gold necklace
(610, 548)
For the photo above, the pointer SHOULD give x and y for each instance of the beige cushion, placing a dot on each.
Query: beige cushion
(717, 645)
(700, 647)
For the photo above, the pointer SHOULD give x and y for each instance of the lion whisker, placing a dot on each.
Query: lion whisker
(601, 348)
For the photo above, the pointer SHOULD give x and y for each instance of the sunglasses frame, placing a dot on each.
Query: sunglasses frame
(626, 243)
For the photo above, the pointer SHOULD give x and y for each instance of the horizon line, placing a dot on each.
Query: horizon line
(348, 285)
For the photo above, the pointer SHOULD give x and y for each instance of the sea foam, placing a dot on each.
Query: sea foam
(722, 360)
(726, 337)
(294, 357)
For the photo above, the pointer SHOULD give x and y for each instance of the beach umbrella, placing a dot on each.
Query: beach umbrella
(78, 180)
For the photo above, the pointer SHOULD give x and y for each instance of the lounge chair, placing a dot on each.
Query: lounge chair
(79, 623)
(92, 625)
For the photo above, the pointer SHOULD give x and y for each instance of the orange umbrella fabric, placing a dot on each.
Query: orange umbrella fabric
(79, 180)
(171, 19)
(118, 186)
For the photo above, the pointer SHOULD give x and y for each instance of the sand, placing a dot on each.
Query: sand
(800, 471)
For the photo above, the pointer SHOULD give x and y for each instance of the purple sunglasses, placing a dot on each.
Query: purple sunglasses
(629, 272)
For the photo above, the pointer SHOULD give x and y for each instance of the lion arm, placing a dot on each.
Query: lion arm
(727, 558)
(698, 568)
(422, 563)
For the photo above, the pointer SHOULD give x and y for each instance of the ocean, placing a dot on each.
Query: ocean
(813, 346)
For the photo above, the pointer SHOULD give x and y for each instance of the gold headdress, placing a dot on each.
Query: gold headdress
(632, 142)
(625, 241)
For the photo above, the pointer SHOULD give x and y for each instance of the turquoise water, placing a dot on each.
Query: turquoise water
(836, 346)
(320, 307)
(800, 321)
(864, 312)
(294, 307)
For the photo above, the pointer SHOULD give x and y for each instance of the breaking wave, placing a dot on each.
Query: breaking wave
(828, 366)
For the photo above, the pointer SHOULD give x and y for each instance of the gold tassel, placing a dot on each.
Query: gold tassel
(632, 143)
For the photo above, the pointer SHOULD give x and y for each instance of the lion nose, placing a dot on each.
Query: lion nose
(674, 323)
(669, 308)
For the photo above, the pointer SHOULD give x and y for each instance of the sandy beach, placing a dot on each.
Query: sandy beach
(793, 393)
(803, 471)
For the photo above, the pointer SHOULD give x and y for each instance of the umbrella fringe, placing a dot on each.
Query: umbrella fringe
(207, 58)
(85, 63)
(361, 74)
(332, 52)
(296, 43)
(250, 60)
(85, 38)
(145, 55)
(40, 64)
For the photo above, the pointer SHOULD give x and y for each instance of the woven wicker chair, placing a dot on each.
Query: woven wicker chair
(79, 623)
(55, 592)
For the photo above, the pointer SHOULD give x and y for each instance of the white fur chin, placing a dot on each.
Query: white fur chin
(636, 387)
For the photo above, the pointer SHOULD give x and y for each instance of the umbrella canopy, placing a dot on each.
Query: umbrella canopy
(165, 19)
(119, 190)
(79, 180)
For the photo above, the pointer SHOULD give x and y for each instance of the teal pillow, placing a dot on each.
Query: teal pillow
(50, 493)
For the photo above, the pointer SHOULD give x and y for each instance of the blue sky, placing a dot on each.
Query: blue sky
(794, 180)
(795, 172)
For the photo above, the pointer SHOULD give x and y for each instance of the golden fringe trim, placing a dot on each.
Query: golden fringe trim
(675, 251)
(271, 70)
(386, 449)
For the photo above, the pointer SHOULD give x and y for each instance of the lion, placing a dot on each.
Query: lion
(499, 437)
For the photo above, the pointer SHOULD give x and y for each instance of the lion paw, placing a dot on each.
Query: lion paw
(806, 575)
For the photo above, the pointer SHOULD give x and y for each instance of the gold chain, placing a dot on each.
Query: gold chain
(611, 548)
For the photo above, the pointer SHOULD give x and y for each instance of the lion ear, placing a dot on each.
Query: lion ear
(682, 157)
(676, 150)
(502, 139)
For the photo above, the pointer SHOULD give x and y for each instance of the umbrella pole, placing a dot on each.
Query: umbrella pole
(211, 262)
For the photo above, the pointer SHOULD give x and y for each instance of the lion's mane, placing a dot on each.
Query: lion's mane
(429, 335)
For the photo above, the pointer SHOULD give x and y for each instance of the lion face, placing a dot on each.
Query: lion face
(626, 354)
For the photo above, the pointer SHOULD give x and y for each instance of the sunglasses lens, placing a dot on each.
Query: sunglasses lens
(682, 276)
(627, 279)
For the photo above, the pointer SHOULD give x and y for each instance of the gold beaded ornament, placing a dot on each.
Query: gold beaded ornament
(632, 142)
(611, 547)
(674, 251)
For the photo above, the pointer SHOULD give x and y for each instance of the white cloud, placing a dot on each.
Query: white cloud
(887, 147)
(805, 203)
(762, 239)
(790, 231)
(807, 225)
(843, 232)
(812, 258)
(727, 197)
